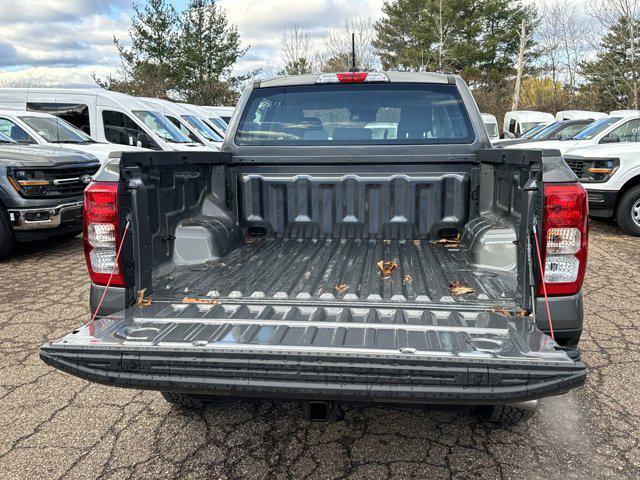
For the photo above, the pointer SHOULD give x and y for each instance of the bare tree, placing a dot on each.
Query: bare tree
(336, 54)
(623, 16)
(295, 44)
(442, 29)
(563, 41)
(523, 39)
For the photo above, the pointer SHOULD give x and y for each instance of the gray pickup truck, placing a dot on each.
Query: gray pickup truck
(357, 240)
(41, 192)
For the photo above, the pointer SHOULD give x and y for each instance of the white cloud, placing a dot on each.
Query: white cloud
(55, 10)
(67, 40)
(261, 22)
(60, 41)
(51, 76)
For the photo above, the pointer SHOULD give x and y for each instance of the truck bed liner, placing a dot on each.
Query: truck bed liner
(312, 269)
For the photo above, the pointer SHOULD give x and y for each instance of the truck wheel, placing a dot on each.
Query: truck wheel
(187, 401)
(628, 213)
(506, 414)
(7, 239)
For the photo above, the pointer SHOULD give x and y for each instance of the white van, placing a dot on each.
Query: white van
(579, 115)
(34, 128)
(518, 122)
(491, 125)
(212, 119)
(188, 122)
(223, 112)
(607, 130)
(104, 115)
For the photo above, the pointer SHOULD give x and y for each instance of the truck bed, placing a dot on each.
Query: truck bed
(340, 269)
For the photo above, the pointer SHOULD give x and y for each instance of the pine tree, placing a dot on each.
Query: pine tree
(613, 74)
(477, 39)
(149, 63)
(209, 47)
(300, 66)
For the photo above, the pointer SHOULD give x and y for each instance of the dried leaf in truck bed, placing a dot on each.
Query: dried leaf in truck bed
(506, 313)
(407, 279)
(342, 288)
(450, 242)
(387, 267)
(141, 301)
(501, 311)
(205, 301)
(457, 288)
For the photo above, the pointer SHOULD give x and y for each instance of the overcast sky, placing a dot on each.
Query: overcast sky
(65, 41)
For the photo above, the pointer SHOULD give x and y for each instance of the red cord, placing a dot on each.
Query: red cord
(544, 285)
(113, 271)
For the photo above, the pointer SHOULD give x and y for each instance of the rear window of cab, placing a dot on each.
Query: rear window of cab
(355, 114)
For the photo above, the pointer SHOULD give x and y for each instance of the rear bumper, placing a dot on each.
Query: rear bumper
(602, 203)
(567, 314)
(115, 300)
(304, 376)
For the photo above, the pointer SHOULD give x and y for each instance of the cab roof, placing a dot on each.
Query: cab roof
(394, 77)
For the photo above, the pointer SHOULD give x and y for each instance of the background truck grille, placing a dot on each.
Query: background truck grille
(575, 164)
(66, 181)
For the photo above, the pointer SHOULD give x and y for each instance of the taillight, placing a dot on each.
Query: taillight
(565, 232)
(101, 232)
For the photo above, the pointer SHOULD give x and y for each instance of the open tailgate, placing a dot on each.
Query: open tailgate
(348, 353)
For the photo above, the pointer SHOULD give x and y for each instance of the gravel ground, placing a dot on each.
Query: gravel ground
(54, 425)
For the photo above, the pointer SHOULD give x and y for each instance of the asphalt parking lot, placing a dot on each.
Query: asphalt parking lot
(53, 425)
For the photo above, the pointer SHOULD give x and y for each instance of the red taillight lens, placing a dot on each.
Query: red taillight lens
(352, 77)
(565, 232)
(101, 232)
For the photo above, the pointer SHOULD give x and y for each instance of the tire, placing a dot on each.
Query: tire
(7, 239)
(628, 212)
(504, 414)
(187, 401)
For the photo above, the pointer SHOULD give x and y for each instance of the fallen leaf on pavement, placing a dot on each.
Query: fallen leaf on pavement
(386, 268)
(407, 279)
(342, 288)
(458, 288)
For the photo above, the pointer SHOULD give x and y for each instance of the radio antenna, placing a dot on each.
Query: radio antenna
(353, 53)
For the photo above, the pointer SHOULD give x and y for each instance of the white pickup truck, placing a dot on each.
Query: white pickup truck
(609, 130)
(611, 176)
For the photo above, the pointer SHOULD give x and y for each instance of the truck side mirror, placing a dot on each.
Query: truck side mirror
(144, 141)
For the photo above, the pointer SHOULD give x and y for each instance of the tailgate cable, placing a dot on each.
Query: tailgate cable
(544, 285)
(113, 270)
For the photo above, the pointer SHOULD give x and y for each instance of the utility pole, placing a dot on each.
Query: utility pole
(516, 95)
